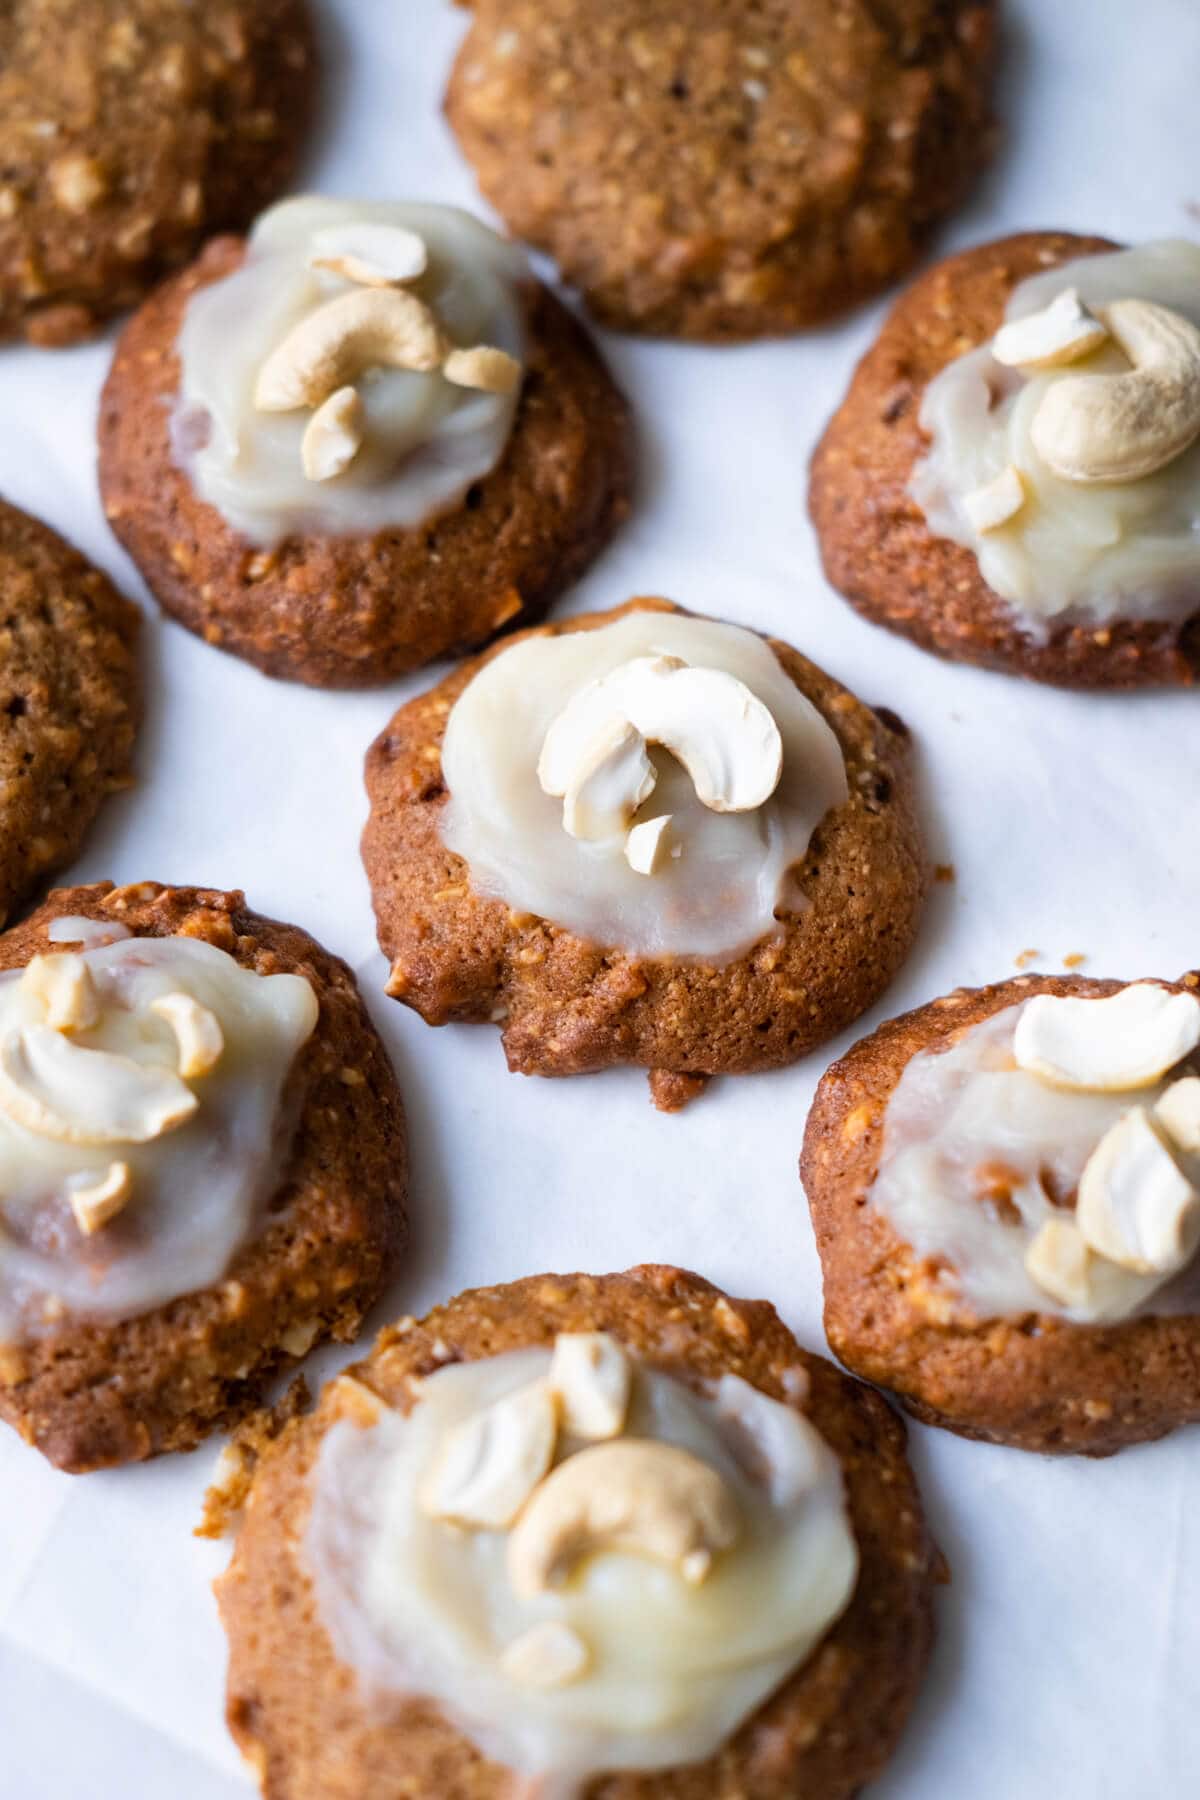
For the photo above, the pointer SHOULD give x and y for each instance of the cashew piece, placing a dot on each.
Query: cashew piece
(996, 502)
(369, 253)
(784, 1450)
(549, 1655)
(1136, 1206)
(1124, 1041)
(649, 845)
(64, 985)
(631, 1495)
(1059, 1261)
(612, 777)
(369, 328)
(59, 1090)
(1111, 428)
(334, 435)
(1061, 333)
(198, 1033)
(1178, 1112)
(100, 1201)
(492, 371)
(592, 1377)
(488, 1465)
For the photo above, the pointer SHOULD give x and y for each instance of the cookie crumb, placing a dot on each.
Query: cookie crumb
(1076, 960)
(944, 872)
(1025, 958)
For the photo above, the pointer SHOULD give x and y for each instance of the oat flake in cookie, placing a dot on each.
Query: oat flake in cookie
(643, 837)
(69, 700)
(1014, 477)
(1006, 1192)
(202, 1166)
(361, 438)
(131, 130)
(580, 1535)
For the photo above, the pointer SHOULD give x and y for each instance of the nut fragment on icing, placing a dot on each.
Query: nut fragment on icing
(1122, 1042)
(96, 1203)
(1178, 1112)
(64, 985)
(1136, 1206)
(591, 1377)
(334, 435)
(198, 1035)
(996, 502)
(786, 1450)
(482, 366)
(490, 1463)
(611, 778)
(387, 328)
(1061, 333)
(58, 1089)
(649, 844)
(635, 1496)
(369, 253)
(1059, 1260)
(549, 1655)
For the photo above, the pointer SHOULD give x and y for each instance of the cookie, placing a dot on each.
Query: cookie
(456, 458)
(964, 1202)
(131, 130)
(321, 1705)
(939, 516)
(68, 700)
(204, 1166)
(718, 942)
(721, 169)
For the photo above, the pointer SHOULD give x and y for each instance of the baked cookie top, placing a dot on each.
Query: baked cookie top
(129, 131)
(615, 1535)
(68, 700)
(722, 170)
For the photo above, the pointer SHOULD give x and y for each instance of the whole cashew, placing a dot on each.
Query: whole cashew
(632, 1495)
(368, 328)
(1121, 427)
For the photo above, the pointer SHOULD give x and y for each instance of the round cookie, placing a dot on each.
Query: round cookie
(294, 1707)
(131, 130)
(721, 169)
(570, 1005)
(877, 545)
(357, 608)
(1030, 1375)
(90, 1391)
(68, 700)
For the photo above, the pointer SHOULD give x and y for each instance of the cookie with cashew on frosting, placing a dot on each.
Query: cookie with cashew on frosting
(643, 837)
(203, 1166)
(361, 438)
(611, 1536)
(1013, 478)
(1005, 1186)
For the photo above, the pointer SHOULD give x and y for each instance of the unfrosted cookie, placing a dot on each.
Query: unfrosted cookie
(723, 168)
(938, 513)
(68, 700)
(130, 130)
(203, 1163)
(341, 468)
(775, 1513)
(1011, 1252)
(693, 937)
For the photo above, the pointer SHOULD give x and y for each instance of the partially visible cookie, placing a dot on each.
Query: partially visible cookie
(130, 130)
(724, 169)
(68, 700)
(202, 1161)
(334, 1692)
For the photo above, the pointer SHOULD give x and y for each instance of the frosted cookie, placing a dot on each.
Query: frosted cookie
(130, 130)
(1005, 1187)
(643, 837)
(1014, 476)
(362, 438)
(68, 700)
(614, 1535)
(202, 1166)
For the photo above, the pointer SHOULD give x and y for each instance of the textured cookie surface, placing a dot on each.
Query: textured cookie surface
(1037, 1381)
(297, 1714)
(68, 700)
(875, 543)
(129, 131)
(353, 611)
(89, 1395)
(725, 168)
(568, 1005)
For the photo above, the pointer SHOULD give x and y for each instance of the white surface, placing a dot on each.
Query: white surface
(1069, 1638)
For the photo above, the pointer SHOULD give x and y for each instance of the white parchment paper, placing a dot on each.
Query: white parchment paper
(1066, 1665)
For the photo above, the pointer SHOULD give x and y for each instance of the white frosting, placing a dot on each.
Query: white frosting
(419, 1608)
(196, 1190)
(1073, 553)
(956, 1117)
(426, 440)
(713, 899)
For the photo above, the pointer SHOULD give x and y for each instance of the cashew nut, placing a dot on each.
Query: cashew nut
(1059, 1261)
(492, 371)
(488, 1465)
(650, 844)
(371, 254)
(1136, 1206)
(592, 1377)
(369, 328)
(1063, 332)
(65, 987)
(59, 1090)
(1124, 1041)
(631, 1495)
(998, 501)
(549, 1655)
(197, 1031)
(1120, 427)
(334, 435)
(100, 1201)
(613, 775)
(778, 1444)
(1178, 1112)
